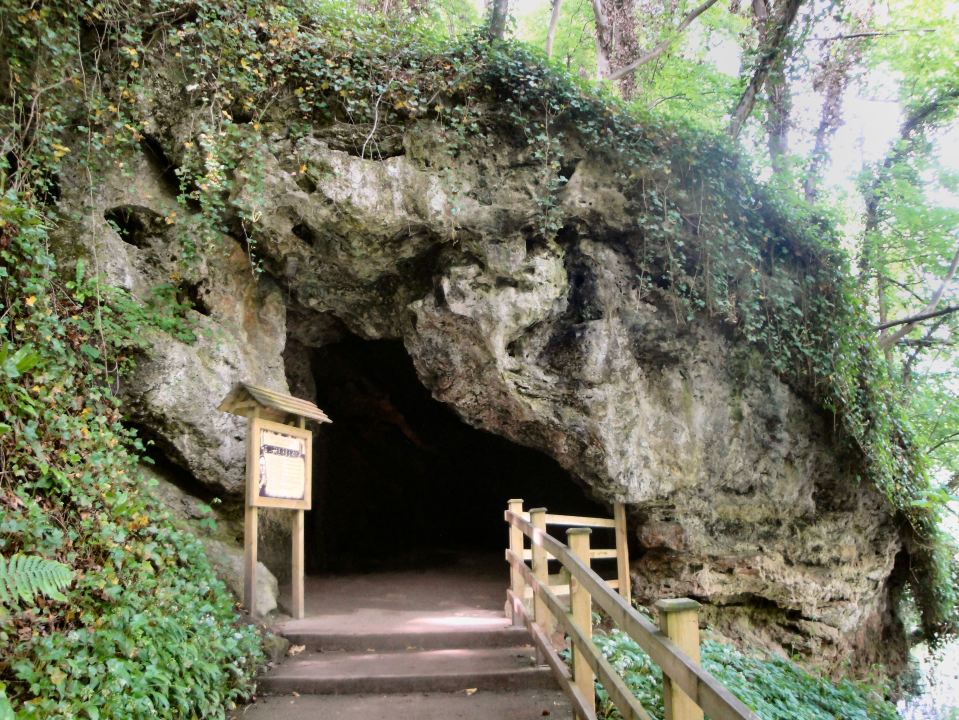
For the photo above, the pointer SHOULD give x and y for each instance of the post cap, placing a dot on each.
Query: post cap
(579, 531)
(537, 510)
(514, 500)
(676, 605)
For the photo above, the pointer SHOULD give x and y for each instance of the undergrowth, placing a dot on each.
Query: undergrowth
(773, 687)
(146, 630)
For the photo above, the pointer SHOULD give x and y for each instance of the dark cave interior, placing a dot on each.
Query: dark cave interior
(400, 481)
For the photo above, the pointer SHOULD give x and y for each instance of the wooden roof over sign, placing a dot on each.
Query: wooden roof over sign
(244, 398)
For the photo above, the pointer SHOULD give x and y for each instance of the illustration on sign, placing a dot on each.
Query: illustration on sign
(282, 465)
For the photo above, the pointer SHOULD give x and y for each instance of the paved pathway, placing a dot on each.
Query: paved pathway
(408, 645)
(520, 705)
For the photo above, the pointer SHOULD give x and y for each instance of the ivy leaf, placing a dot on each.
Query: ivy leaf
(6, 709)
(23, 360)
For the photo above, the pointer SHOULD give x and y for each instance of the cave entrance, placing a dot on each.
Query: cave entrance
(401, 482)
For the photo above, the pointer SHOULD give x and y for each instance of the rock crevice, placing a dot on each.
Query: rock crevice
(739, 494)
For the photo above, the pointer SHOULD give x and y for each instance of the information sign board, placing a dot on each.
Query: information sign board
(280, 464)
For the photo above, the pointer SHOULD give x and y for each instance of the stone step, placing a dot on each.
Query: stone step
(435, 639)
(482, 705)
(433, 671)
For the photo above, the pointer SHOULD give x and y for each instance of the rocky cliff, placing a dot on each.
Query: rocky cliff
(739, 492)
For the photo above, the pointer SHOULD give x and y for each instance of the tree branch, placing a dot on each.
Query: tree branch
(902, 286)
(772, 51)
(874, 33)
(664, 45)
(926, 341)
(667, 98)
(918, 318)
(951, 437)
(890, 339)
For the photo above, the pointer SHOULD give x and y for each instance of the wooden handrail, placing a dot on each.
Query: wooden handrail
(563, 675)
(617, 524)
(576, 521)
(707, 692)
(606, 673)
(594, 553)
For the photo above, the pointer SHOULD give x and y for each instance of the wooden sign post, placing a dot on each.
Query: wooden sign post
(279, 462)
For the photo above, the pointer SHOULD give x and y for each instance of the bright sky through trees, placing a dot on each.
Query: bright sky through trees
(872, 112)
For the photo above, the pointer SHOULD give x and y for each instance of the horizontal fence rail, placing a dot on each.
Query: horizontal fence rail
(688, 688)
(620, 552)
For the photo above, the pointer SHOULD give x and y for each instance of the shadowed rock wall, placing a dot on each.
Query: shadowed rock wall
(737, 493)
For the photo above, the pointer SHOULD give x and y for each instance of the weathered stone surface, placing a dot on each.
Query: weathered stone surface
(227, 558)
(737, 493)
(239, 321)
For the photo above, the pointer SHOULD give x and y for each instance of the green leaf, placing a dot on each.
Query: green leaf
(23, 577)
(6, 709)
(23, 360)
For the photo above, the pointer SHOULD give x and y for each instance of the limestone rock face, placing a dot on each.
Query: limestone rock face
(228, 560)
(738, 495)
(127, 233)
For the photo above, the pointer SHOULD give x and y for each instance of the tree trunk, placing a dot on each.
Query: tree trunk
(777, 92)
(761, 19)
(553, 23)
(778, 116)
(833, 78)
(662, 47)
(773, 50)
(882, 302)
(498, 14)
(616, 41)
(604, 39)
(911, 130)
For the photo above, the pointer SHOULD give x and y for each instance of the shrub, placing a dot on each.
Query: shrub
(773, 687)
(146, 630)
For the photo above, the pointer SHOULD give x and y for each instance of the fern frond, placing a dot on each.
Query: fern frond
(23, 577)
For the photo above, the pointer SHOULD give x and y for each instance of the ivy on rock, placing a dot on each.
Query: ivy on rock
(146, 630)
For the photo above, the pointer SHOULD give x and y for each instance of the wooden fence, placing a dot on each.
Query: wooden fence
(688, 690)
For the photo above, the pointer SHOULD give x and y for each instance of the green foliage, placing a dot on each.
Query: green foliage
(773, 687)
(23, 577)
(574, 47)
(6, 709)
(149, 631)
(909, 244)
(927, 60)
(910, 236)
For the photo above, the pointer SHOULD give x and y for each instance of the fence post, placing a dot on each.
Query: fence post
(516, 545)
(679, 619)
(250, 519)
(544, 618)
(581, 608)
(296, 582)
(297, 600)
(622, 553)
